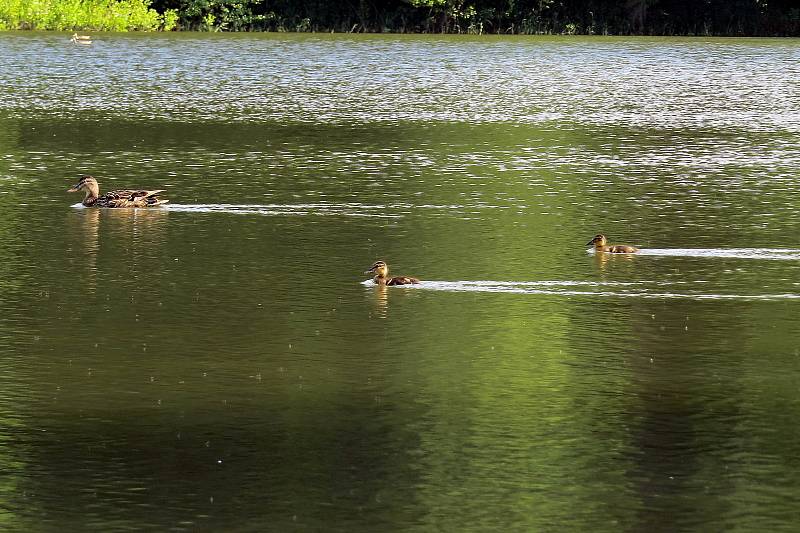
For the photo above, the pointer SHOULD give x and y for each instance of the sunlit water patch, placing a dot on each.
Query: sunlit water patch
(390, 79)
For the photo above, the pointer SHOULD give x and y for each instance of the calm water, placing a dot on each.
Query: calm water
(220, 365)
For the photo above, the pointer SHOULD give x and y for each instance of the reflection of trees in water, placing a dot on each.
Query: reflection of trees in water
(680, 413)
(14, 279)
(11, 240)
(676, 371)
(11, 224)
(13, 457)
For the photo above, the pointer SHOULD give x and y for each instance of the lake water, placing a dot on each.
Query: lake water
(220, 364)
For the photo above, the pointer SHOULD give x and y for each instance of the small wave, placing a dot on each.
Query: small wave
(590, 289)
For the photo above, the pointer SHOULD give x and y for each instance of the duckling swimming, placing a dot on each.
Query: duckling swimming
(381, 271)
(120, 198)
(599, 241)
(80, 39)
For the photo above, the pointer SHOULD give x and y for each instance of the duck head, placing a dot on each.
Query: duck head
(89, 185)
(379, 268)
(598, 240)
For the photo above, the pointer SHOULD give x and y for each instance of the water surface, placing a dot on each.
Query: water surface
(220, 364)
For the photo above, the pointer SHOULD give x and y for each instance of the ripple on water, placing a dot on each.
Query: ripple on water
(642, 289)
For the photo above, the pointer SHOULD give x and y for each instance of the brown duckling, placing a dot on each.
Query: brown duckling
(599, 241)
(381, 271)
(120, 198)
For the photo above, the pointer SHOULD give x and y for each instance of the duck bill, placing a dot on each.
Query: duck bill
(74, 188)
(589, 243)
(370, 271)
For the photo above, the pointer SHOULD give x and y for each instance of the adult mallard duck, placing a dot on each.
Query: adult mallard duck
(121, 198)
(381, 271)
(599, 241)
(80, 39)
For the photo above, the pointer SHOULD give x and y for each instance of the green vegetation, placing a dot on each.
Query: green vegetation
(657, 17)
(109, 15)
(638, 17)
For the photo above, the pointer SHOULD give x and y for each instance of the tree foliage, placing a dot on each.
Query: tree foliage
(638, 17)
(111, 15)
(656, 17)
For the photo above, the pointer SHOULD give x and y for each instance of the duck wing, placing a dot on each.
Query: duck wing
(130, 198)
(622, 249)
(402, 280)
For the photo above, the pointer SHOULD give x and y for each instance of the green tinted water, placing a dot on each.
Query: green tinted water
(220, 364)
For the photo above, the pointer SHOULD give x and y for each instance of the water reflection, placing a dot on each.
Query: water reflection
(86, 226)
(379, 294)
(602, 259)
(93, 233)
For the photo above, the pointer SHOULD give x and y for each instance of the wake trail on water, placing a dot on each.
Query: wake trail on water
(639, 289)
(322, 209)
(346, 209)
(733, 253)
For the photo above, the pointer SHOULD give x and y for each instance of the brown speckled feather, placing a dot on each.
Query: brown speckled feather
(621, 249)
(130, 198)
(402, 280)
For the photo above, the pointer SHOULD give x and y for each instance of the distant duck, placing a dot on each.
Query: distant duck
(599, 241)
(381, 271)
(80, 39)
(120, 198)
